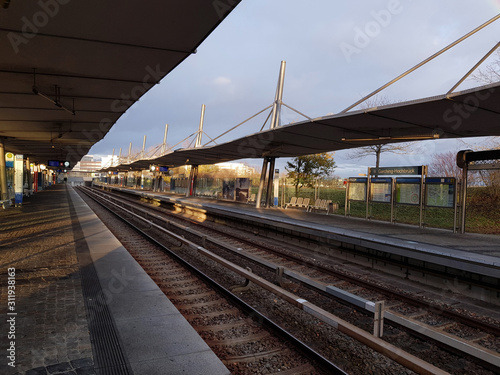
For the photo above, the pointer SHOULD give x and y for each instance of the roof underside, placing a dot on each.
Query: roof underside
(470, 113)
(96, 57)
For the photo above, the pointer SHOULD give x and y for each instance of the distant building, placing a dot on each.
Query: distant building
(88, 164)
(240, 168)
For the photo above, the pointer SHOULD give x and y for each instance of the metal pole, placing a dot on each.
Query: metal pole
(393, 191)
(129, 151)
(35, 179)
(474, 68)
(423, 62)
(455, 206)
(188, 181)
(261, 184)
(346, 209)
(3, 173)
(143, 147)
(112, 158)
(200, 127)
(274, 123)
(194, 180)
(422, 192)
(275, 119)
(283, 192)
(464, 196)
(269, 193)
(28, 176)
(368, 183)
(378, 319)
(164, 145)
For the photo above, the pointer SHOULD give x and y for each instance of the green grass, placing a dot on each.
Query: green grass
(483, 211)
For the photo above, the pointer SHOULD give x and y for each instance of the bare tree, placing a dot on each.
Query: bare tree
(444, 164)
(490, 73)
(490, 179)
(377, 150)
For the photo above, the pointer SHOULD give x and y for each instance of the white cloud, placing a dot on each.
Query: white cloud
(222, 81)
(236, 69)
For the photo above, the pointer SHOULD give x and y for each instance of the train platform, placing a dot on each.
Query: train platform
(78, 301)
(469, 252)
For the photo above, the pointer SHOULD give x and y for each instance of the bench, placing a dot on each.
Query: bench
(293, 202)
(323, 204)
(318, 204)
(298, 202)
(304, 204)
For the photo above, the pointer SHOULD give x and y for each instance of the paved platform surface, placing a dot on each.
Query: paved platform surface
(52, 242)
(51, 331)
(474, 252)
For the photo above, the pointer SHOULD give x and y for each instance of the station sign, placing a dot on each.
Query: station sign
(58, 163)
(412, 170)
(440, 180)
(381, 180)
(358, 180)
(9, 160)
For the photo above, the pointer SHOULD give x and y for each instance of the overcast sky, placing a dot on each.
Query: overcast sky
(336, 52)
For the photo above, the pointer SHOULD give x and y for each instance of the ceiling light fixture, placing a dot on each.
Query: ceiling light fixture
(55, 101)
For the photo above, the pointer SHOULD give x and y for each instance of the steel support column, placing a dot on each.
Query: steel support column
(200, 127)
(275, 118)
(262, 183)
(464, 197)
(193, 177)
(143, 147)
(275, 122)
(270, 180)
(164, 145)
(194, 180)
(3, 173)
(28, 176)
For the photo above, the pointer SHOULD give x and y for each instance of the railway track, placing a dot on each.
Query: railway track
(242, 343)
(423, 313)
(245, 340)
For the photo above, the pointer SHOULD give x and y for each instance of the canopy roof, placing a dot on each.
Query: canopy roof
(470, 113)
(93, 58)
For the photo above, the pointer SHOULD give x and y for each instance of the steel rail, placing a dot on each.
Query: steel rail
(249, 310)
(445, 340)
(398, 355)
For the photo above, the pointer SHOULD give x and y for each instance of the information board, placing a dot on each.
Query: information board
(242, 187)
(408, 191)
(440, 194)
(18, 179)
(357, 191)
(381, 191)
